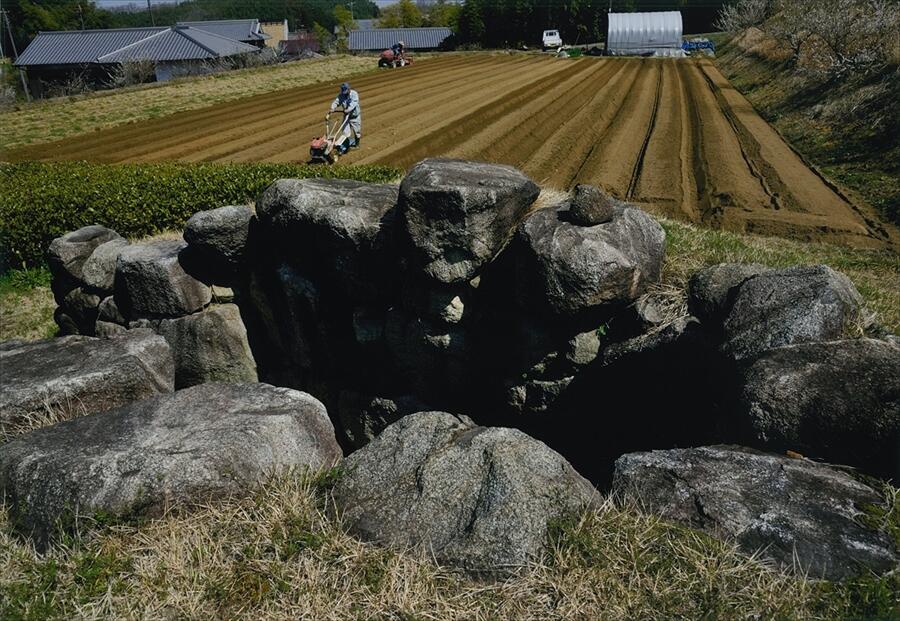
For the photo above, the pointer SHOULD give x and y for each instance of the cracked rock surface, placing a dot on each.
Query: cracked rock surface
(209, 441)
(478, 498)
(775, 504)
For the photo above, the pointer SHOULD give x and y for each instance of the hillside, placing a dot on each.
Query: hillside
(846, 125)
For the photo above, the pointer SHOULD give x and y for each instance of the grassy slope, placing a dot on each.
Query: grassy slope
(281, 555)
(846, 127)
(59, 118)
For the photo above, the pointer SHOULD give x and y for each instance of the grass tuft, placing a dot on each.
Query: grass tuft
(876, 273)
(281, 555)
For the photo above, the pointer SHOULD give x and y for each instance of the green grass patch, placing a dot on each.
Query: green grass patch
(876, 273)
(41, 201)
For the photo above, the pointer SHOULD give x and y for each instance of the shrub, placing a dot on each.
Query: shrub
(40, 201)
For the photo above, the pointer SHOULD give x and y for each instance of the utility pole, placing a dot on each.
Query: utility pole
(2, 55)
(12, 41)
(81, 15)
(150, 10)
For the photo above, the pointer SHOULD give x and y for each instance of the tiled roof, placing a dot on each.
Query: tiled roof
(383, 38)
(179, 43)
(77, 47)
(82, 47)
(238, 29)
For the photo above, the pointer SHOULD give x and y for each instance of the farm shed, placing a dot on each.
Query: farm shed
(383, 38)
(645, 34)
(92, 54)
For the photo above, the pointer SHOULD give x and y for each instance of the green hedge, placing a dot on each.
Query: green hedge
(40, 201)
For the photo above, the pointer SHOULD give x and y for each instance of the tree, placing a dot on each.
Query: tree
(324, 37)
(743, 14)
(410, 15)
(390, 17)
(404, 14)
(471, 22)
(28, 17)
(345, 24)
(444, 14)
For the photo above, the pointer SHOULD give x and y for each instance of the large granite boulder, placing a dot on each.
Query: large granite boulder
(67, 255)
(343, 230)
(709, 289)
(838, 401)
(569, 270)
(478, 498)
(45, 381)
(209, 441)
(784, 307)
(459, 214)
(784, 508)
(209, 346)
(151, 282)
(99, 270)
(217, 239)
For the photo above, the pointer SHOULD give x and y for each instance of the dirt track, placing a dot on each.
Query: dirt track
(672, 135)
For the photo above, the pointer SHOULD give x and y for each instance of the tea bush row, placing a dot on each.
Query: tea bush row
(40, 201)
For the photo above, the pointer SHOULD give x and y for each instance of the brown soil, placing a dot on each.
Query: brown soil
(671, 135)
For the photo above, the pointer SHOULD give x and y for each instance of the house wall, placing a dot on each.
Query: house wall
(278, 31)
(169, 71)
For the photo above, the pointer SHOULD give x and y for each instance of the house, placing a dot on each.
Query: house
(57, 56)
(383, 38)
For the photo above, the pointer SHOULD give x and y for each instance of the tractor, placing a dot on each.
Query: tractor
(388, 59)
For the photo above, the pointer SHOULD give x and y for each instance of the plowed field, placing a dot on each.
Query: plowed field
(672, 135)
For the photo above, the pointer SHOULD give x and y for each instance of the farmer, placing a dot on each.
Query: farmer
(349, 99)
(398, 49)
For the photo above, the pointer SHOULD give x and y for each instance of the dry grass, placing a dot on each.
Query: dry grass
(26, 307)
(50, 120)
(50, 413)
(280, 556)
(690, 248)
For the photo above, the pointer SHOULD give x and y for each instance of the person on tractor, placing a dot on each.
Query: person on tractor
(349, 99)
(399, 50)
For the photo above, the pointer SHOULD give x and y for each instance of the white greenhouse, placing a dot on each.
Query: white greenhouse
(645, 34)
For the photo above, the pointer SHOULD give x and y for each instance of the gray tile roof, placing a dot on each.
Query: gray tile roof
(83, 47)
(79, 47)
(238, 29)
(383, 38)
(179, 43)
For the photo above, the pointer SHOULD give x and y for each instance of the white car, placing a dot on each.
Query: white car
(551, 38)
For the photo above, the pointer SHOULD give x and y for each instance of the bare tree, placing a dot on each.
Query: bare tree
(744, 14)
(855, 35)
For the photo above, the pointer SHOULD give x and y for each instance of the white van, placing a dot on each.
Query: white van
(551, 38)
